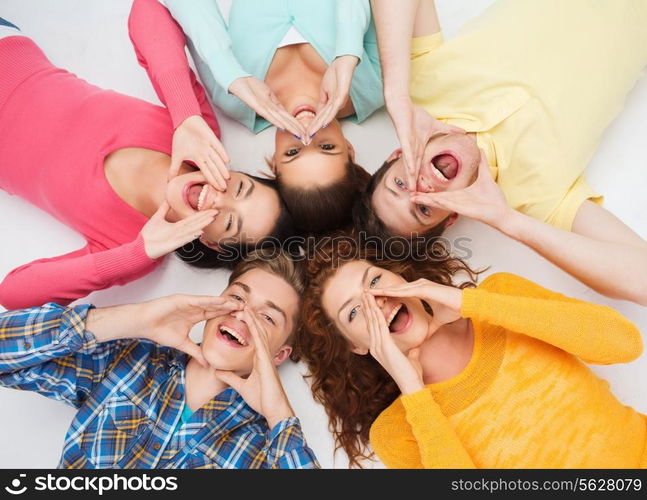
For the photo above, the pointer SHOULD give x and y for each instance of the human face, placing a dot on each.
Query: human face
(246, 210)
(450, 162)
(227, 343)
(320, 163)
(342, 301)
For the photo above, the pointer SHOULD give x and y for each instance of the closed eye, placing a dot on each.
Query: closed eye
(229, 223)
(240, 188)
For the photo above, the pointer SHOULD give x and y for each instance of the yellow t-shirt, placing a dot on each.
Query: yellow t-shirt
(538, 81)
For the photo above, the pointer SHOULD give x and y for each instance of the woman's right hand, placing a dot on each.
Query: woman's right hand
(162, 237)
(445, 301)
(258, 96)
(405, 370)
(194, 141)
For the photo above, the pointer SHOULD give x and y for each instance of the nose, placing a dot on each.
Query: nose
(238, 314)
(380, 301)
(423, 184)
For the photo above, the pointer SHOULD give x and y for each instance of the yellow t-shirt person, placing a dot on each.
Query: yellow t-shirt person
(537, 114)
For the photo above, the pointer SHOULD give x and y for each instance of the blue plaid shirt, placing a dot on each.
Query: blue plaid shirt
(130, 396)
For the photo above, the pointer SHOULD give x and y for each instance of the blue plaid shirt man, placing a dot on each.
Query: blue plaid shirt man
(130, 397)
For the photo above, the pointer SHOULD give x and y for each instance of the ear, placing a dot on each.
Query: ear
(395, 155)
(451, 220)
(362, 351)
(271, 162)
(214, 246)
(351, 151)
(283, 354)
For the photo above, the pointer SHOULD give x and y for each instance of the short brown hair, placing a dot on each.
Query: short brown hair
(278, 262)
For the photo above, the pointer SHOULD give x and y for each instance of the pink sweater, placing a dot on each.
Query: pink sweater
(55, 132)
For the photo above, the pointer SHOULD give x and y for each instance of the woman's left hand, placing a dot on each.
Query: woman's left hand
(262, 389)
(335, 88)
(405, 370)
(445, 301)
(194, 141)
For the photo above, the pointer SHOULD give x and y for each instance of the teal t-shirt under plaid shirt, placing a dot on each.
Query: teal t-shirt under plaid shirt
(130, 395)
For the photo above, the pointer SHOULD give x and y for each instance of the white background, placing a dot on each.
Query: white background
(90, 39)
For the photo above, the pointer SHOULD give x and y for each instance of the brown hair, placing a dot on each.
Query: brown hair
(324, 208)
(355, 389)
(278, 262)
(365, 219)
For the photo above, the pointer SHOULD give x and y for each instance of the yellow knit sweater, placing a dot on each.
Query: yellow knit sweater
(525, 400)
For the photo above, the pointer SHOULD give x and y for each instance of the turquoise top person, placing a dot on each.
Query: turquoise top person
(224, 53)
(301, 66)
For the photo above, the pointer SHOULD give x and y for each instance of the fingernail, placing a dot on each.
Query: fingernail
(325, 125)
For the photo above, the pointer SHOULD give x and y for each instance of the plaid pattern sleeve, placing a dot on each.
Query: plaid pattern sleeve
(287, 448)
(47, 350)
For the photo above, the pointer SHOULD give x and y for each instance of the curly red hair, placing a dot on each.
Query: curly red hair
(355, 389)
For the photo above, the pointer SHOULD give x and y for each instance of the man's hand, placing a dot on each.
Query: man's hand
(414, 126)
(262, 389)
(166, 321)
(482, 201)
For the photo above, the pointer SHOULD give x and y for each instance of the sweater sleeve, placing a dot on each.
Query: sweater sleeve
(353, 19)
(435, 444)
(204, 25)
(594, 333)
(68, 277)
(160, 48)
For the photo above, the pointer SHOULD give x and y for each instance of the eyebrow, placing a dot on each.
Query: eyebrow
(250, 190)
(322, 152)
(272, 305)
(269, 303)
(412, 208)
(343, 306)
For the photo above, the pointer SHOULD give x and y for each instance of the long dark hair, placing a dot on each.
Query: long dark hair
(197, 254)
(324, 208)
(355, 389)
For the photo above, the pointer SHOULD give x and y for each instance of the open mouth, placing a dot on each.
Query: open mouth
(195, 195)
(399, 319)
(232, 337)
(445, 166)
(304, 112)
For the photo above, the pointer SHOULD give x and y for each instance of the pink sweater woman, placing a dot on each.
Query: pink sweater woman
(99, 161)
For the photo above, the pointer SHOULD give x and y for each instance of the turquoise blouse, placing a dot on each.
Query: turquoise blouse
(222, 53)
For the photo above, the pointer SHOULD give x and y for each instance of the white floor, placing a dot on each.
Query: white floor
(90, 39)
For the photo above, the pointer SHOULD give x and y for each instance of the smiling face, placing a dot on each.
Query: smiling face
(320, 163)
(450, 162)
(246, 209)
(227, 343)
(342, 301)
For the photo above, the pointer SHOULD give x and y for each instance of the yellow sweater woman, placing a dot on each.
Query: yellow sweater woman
(526, 399)
(486, 377)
